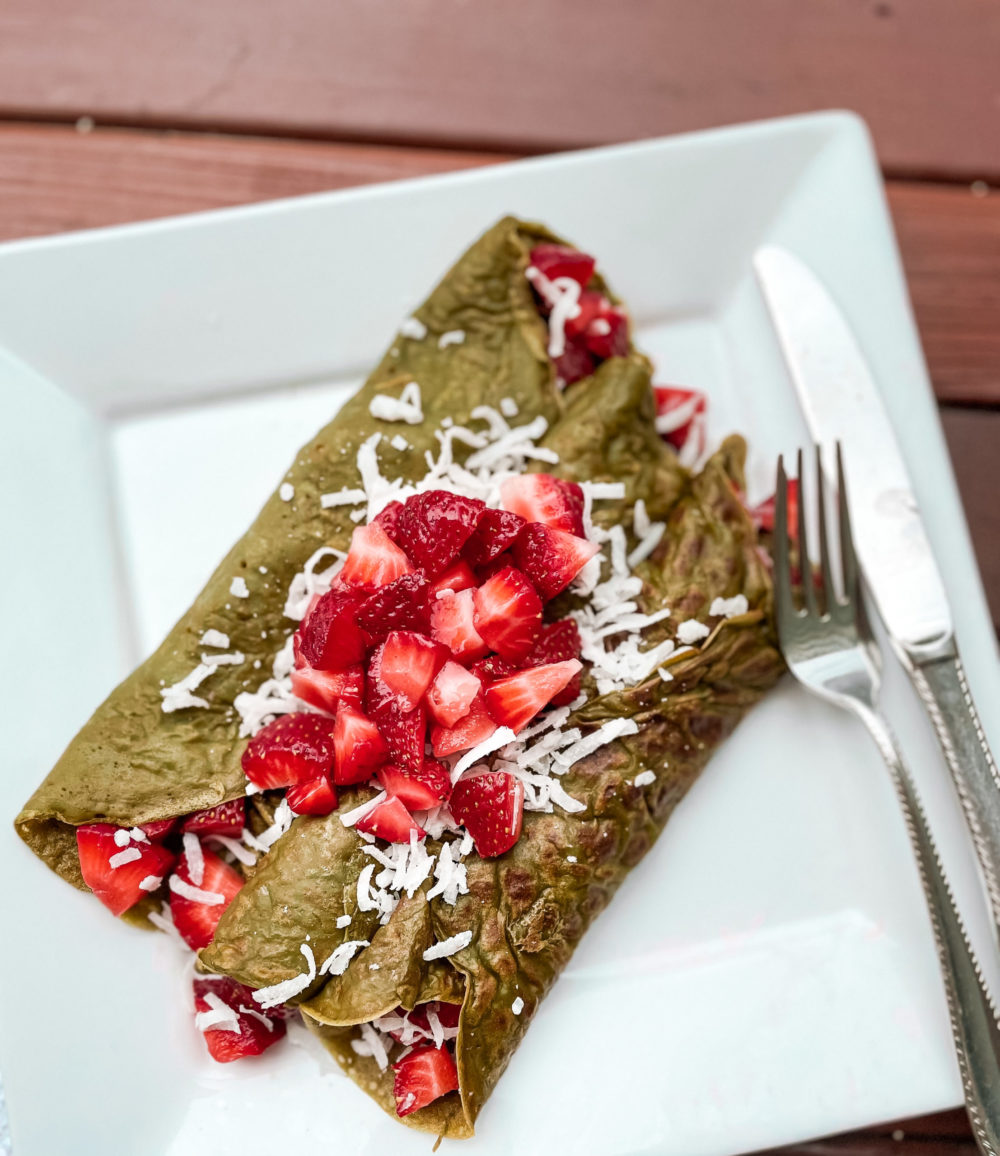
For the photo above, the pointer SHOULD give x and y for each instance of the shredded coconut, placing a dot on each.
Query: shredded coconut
(286, 491)
(645, 778)
(562, 295)
(194, 857)
(220, 1017)
(343, 498)
(517, 1006)
(269, 997)
(508, 407)
(398, 442)
(215, 638)
(500, 738)
(150, 883)
(414, 329)
(406, 408)
(452, 337)
(122, 837)
(729, 607)
(446, 947)
(349, 818)
(336, 963)
(371, 1044)
(691, 631)
(238, 587)
(129, 855)
(187, 891)
(344, 920)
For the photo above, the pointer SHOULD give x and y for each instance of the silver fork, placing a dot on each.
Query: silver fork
(830, 649)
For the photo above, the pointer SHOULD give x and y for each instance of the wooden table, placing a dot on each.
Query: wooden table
(323, 94)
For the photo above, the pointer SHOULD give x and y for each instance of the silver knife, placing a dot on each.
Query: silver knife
(841, 402)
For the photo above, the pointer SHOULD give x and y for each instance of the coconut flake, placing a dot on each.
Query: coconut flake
(344, 920)
(349, 818)
(238, 851)
(238, 587)
(371, 1044)
(215, 638)
(269, 997)
(406, 408)
(122, 837)
(517, 1006)
(336, 963)
(691, 631)
(452, 337)
(150, 883)
(647, 544)
(414, 329)
(187, 891)
(220, 1017)
(398, 442)
(645, 778)
(729, 607)
(129, 855)
(508, 407)
(500, 738)
(607, 732)
(286, 491)
(446, 947)
(283, 817)
(342, 498)
(194, 858)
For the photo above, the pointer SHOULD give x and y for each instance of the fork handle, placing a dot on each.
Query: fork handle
(973, 1019)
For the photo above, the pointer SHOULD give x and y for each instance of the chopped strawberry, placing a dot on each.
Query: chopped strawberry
(451, 693)
(458, 576)
(434, 526)
(118, 888)
(551, 558)
(543, 498)
(470, 730)
(489, 669)
(257, 1032)
(429, 787)
(423, 1076)
(326, 689)
(373, 559)
(607, 334)
(409, 664)
(575, 362)
(405, 733)
(359, 746)
(496, 530)
(390, 821)
(401, 605)
(592, 305)
(677, 412)
(388, 519)
(196, 919)
(159, 829)
(485, 572)
(558, 642)
(293, 749)
(447, 1013)
(490, 807)
(452, 622)
(515, 700)
(508, 614)
(225, 819)
(562, 261)
(316, 797)
(763, 515)
(330, 638)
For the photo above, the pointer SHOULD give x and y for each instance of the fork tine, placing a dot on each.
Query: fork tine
(805, 566)
(783, 604)
(848, 558)
(826, 569)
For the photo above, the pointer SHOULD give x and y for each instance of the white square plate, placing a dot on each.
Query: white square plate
(767, 974)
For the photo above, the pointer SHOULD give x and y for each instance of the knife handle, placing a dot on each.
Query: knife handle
(942, 685)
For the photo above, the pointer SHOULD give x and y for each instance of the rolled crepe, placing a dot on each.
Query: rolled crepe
(527, 910)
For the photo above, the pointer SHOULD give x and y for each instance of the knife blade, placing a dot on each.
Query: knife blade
(841, 402)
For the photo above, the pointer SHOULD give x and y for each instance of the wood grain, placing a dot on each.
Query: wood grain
(518, 74)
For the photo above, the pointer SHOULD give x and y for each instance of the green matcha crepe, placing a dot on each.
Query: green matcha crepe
(528, 909)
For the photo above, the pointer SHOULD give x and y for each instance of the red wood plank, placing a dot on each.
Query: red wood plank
(529, 74)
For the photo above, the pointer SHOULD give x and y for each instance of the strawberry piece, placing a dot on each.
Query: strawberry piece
(118, 888)
(451, 694)
(326, 689)
(575, 362)
(159, 829)
(490, 806)
(763, 515)
(607, 334)
(423, 1076)
(489, 669)
(373, 559)
(405, 732)
(472, 729)
(562, 261)
(358, 744)
(225, 819)
(434, 527)
(592, 305)
(429, 787)
(401, 605)
(508, 614)
(388, 519)
(515, 700)
(543, 498)
(390, 821)
(495, 532)
(485, 572)
(293, 749)
(678, 411)
(458, 576)
(408, 665)
(453, 623)
(257, 1032)
(551, 558)
(195, 920)
(448, 1014)
(316, 797)
(558, 642)
(330, 637)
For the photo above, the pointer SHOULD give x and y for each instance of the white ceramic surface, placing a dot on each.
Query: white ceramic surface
(767, 973)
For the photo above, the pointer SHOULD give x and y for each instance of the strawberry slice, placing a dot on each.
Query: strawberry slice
(359, 746)
(470, 730)
(453, 623)
(543, 498)
(388, 519)
(490, 806)
(196, 919)
(489, 669)
(678, 411)
(293, 749)
(575, 362)
(119, 888)
(225, 819)
(434, 527)
(373, 559)
(429, 787)
(401, 605)
(551, 558)
(390, 821)
(408, 665)
(562, 261)
(159, 829)
(316, 797)
(495, 532)
(508, 614)
(326, 689)
(330, 637)
(423, 1076)
(458, 576)
(451, 693)
(257, 1032)
(607, 334)
(558, 642)
(763, 515)
(405, 733)
(515, 700)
